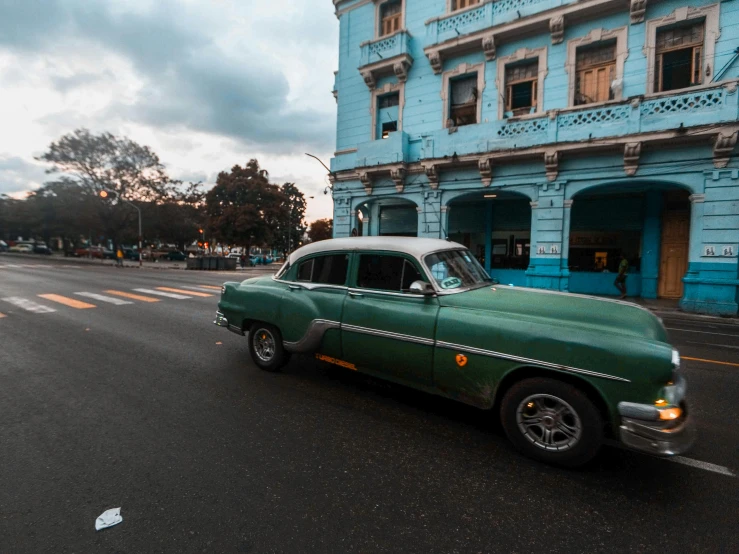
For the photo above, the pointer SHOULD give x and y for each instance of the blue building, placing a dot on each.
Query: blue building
(548, 136)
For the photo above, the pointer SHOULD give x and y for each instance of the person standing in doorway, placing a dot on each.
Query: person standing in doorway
(620, 282)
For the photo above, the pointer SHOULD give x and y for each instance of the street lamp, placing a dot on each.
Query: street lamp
(108, 193)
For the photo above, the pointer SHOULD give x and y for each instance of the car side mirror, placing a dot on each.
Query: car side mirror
(422, 288)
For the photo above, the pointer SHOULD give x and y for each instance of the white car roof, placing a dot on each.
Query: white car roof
(416, 247)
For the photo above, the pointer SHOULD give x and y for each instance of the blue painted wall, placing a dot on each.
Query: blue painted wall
(580, 197)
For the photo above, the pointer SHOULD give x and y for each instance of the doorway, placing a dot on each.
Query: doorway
(674, 249)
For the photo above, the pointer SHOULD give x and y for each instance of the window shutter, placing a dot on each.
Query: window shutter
(535, 95)
(658, 73)
(697, 72)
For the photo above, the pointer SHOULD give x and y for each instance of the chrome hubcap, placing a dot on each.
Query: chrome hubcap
(264, 345)
(549, 422)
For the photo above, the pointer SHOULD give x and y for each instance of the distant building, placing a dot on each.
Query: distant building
(548, 136)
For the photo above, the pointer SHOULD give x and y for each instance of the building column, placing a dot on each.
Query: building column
(444, 218)
(342, 217)
(712, 280)
(374, 220)
(650, 244)
(564, 263)
(548, 236)
(429, 215)
(488, 235)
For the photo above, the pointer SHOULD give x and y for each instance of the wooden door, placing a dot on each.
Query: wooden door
(674, 253)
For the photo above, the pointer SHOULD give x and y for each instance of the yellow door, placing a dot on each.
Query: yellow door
(674, 253)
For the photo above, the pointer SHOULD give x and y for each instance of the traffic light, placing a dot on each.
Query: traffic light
(107, 194)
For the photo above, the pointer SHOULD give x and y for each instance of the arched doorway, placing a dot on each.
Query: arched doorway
(387, 217)
(496, 226)
(648, 224)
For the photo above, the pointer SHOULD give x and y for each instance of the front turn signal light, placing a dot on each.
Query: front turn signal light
(668, 414)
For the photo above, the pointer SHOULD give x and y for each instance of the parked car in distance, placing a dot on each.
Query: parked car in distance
(563, 372)
(22, 248)
(175, 256)
(41, 248)
(4, 246)
(98, 252)
(130, 254)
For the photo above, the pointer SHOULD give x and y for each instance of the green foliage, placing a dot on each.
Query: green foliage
(244, 208)
(321, 229)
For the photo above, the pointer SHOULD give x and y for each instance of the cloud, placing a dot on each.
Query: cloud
(18, 176)
(188, 80)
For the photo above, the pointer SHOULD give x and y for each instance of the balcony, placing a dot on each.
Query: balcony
(666, 112)
(386, 56)
(391, 150)
(700, 106)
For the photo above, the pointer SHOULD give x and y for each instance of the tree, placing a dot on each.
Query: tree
(97, 162)
(294, 227)
(321, 229)
(244, 208)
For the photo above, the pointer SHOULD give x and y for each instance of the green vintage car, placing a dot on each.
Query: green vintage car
(563, 371)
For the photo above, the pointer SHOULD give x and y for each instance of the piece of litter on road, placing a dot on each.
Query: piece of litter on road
(108, 518)
(219, 342)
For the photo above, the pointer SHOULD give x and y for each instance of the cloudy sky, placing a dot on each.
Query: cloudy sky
(206, 83)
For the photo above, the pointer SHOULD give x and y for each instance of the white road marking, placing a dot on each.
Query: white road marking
(702, 465)
(102, 298)
(167, 294)
(28, 305)
(712, 344)
(701, 332)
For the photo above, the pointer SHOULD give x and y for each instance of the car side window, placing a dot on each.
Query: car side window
(326, 270)
(383, 272)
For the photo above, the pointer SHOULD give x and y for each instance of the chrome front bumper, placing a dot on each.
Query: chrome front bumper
(661, 438)
(222, 321)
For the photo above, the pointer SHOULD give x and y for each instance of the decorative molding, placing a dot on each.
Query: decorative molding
(567, 203)
(730, 87)
(401, 69)
(697, 198)
(419, 209)
(722, 149)
(444, 209)
(462, 69)
(520, 55)
(683, 14)
(432, 174)
(435, 60)
(637, 9)
(557, 28)
(398, 177)
(632, 152)
(369, 79)
(534, 205)
(597, 35)
(488, 47)
(366, 180)
(551, 164)
(485, 165)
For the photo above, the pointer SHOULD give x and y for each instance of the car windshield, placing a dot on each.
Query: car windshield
(456, 269)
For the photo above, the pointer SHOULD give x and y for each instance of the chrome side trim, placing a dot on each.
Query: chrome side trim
(387, 334)
(313, 336)
(358, 290)
(520, 359)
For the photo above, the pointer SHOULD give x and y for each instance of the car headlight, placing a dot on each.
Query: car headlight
(675, 360)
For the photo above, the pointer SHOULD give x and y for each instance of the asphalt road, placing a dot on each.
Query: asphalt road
(150, 407)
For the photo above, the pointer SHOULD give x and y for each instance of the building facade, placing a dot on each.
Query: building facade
(548, 136)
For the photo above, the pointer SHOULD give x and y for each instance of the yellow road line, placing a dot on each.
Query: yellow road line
(132, 296)
(180, 291)
(71, 302)
(2, 315)
(708, 361)
(213, 287)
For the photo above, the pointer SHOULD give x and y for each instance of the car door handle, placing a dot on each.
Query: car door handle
(356, 294)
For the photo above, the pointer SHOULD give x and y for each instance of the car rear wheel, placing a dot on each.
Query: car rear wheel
(265, 347)
(552, 421)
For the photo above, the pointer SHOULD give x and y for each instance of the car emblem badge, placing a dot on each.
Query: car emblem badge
(461, 360)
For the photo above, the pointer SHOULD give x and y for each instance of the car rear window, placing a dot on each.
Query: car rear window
(326, 270)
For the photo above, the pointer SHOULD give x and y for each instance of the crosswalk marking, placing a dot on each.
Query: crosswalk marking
(191, 293)
(167, 294)
(132, 296)
(2, 315)
(101, 298)
(28, 305)
(200, 288)
(71, 302)
(211, 287)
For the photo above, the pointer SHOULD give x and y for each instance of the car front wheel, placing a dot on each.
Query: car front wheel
(552, 421)
(265, 347)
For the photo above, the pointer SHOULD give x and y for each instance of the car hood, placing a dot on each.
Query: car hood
(562, 309)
